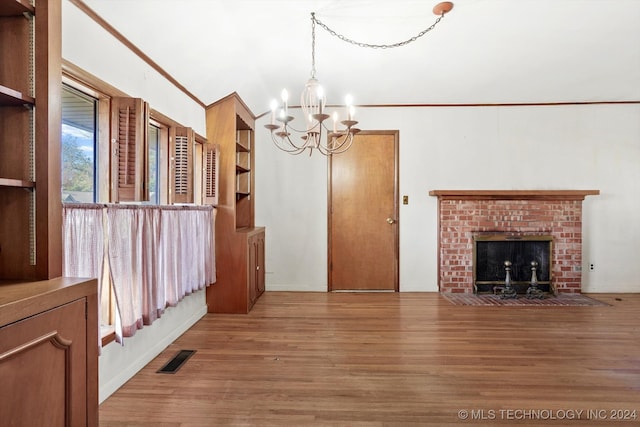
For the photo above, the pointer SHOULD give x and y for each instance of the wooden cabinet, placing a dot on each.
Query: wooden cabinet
(239, 243)
(30, 117)
(49, 353)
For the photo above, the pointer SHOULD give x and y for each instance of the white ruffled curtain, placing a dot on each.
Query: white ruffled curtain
(83, 242)
(155, 255)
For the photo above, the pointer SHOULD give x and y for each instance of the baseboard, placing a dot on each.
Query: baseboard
(135, 354)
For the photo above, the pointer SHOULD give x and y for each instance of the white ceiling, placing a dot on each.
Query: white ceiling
(483, 51)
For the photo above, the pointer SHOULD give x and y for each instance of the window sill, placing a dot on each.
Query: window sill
(108, 334)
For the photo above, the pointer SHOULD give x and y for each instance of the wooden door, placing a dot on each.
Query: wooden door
(363, 214)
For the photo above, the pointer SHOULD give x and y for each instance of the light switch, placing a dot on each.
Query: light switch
(405, 200)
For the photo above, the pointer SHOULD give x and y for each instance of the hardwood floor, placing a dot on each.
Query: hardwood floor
(355, 359)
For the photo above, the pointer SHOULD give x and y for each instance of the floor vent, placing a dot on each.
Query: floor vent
(176, 362)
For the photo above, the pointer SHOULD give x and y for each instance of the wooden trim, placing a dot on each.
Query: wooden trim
(243, 111)
(48, 117)
(169, 122)
(126, 42)
(513, 194)
(86, 79)
(110, 337)
(498, 104)
(501, 104)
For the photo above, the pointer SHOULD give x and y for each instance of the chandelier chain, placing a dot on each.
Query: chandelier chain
(313, 45)
(368, 45)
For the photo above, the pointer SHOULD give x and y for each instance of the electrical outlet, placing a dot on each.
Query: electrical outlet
(592, 267)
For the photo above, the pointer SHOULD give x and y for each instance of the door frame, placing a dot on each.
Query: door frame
(396, 206)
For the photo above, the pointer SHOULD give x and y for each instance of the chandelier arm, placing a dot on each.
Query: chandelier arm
(340, 148)
(295, 130)
(348, 140)
(304, 145)
(295, 151)
(376, 46)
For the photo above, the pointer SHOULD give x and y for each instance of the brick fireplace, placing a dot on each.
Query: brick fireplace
(465, 214)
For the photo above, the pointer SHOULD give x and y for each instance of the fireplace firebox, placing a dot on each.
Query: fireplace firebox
(492, 251)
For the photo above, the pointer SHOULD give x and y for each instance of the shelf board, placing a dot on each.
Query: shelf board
(241, 148)
(240, 169)
(10, 97)
(7, 182)
(15, 7)
(241, 194)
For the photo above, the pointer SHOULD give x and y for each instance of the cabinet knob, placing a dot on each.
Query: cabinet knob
(391, 221)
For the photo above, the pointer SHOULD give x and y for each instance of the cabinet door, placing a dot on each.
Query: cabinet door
(43, 369)
(260, 268)
(251, 273)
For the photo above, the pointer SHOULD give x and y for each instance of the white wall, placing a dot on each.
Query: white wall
(535, 147)
(118, 66)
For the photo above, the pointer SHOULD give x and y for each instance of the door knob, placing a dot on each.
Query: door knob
(391, 220)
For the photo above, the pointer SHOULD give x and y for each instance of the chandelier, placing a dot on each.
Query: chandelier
(316, 135)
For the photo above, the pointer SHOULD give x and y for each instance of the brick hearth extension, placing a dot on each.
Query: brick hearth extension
(462, 214)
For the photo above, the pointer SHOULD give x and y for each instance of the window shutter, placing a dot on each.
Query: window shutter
(181, 165)
(210, 173)
(129, 119)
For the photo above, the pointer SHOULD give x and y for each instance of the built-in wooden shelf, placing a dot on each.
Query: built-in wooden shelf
(241, 169)
(15, 7)
(10, 97)
(241, 148)
(513, 194)
(7, 182)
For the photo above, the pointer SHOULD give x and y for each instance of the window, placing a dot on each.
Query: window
(79, 112)
(117, 150)
(153, 163)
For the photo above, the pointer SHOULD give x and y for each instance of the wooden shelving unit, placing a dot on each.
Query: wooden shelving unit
(48, 324)
(30, 87)
(239, 243)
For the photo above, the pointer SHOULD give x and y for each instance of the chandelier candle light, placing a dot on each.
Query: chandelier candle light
(313, 102)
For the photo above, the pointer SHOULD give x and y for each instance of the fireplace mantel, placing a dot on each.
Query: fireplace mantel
(513, 194)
